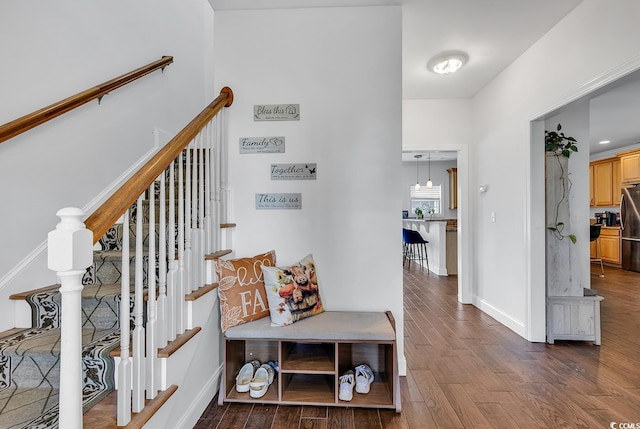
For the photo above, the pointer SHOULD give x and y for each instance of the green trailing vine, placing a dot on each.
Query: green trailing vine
(560, 145)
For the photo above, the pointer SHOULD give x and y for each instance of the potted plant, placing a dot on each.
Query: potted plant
(418, 212)
(560, 147)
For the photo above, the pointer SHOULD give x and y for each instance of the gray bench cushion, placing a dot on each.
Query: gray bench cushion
(330, 326)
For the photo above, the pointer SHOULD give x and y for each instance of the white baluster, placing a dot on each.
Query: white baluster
(208, 226)
(70, 253)
(195, 244)
(217, 174)
(151, 345)
(188, 269)
(179, 290)
(201, 202)
(173, 274)
(125, 365)
(138, 330)
(162, 266)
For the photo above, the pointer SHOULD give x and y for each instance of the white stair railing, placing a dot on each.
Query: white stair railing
(194, 216)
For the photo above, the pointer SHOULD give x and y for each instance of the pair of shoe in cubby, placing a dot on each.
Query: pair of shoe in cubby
(361, 379)
(256, 378)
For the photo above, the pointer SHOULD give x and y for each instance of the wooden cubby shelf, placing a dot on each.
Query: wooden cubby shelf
(310, 366)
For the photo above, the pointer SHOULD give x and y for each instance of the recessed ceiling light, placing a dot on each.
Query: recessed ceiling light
(448, 62)
(605, 141)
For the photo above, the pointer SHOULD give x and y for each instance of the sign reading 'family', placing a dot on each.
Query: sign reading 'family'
(261, 144)
(293, 172)
(278, 201)
(276, 112)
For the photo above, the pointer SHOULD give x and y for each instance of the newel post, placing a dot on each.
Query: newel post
(70, 252)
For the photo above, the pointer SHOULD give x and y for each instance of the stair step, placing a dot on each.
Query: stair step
(103, 415)
(100, 306)
(30, 373)
(217, 255)
(200, 292)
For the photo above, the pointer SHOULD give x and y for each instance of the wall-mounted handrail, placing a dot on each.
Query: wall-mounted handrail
(25, 123)
(111, 210)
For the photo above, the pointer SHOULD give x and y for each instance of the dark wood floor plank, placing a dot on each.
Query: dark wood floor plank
(366, 418)
(310, 423)
(392, 420)
(287, 417)
(261, 416)
(340, 418)
(236, 417)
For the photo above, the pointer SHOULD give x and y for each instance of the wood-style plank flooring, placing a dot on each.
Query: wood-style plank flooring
(465, 370)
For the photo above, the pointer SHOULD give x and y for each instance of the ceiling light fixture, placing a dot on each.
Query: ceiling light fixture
(417, 157)
(448, 62)
(605, 142)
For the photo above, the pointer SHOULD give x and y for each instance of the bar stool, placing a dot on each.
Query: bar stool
(594, 235)
(414, 248)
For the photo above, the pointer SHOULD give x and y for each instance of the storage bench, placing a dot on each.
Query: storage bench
(312, 354)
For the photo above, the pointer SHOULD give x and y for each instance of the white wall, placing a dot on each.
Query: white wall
(343, 66)
(584, 51)
(59, 49)
(439, 176)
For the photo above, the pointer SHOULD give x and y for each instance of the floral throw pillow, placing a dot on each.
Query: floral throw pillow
(241, 289)
(292, 292)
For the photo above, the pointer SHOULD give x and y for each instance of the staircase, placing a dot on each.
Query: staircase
(142, 342)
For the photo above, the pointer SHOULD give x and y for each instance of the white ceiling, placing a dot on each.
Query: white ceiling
(493, 33)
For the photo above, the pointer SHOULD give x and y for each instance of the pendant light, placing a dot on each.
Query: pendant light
(429, 182)
(417, 157)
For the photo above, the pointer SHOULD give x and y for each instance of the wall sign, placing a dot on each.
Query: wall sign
(293, 171)
(261, 144)
(276, 112)
(278, 201)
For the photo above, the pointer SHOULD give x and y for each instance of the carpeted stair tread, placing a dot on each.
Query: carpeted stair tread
(100, 306)
(30, 374)
(19, 406)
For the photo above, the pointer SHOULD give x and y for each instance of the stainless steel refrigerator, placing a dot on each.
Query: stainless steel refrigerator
(630, 225)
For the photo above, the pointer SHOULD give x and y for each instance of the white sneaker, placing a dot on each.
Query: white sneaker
(364, 378)
(245, 375)
(260, 383)
(346, 386)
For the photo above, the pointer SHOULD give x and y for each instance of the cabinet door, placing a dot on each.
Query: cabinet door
(593, 250)
(603, 191)
(453, 188)
(592, 201)
(617, 182)
(630, 167)
(610, 248)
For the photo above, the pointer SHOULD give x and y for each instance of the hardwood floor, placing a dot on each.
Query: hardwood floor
(465, 370)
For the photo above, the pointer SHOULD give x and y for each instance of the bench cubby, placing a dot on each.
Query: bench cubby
(312, 354)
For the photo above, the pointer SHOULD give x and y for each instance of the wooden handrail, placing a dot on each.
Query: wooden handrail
(25, 123)
(111, 210)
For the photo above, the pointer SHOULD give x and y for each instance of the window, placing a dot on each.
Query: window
(427, 199)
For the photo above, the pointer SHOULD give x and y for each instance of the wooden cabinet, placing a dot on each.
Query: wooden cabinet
(630, 167)
(453, 188)
(604, 182)
(617, 181)
(310, 369)
(592, 199)
(610, 246)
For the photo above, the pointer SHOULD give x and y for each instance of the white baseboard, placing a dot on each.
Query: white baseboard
(202, 400)
(515, 325)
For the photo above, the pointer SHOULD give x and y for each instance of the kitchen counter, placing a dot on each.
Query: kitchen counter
(435, 232)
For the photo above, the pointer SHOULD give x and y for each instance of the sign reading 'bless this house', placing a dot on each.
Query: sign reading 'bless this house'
(276, 112)
(293, 172)
(261, 144)
(278, 201)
